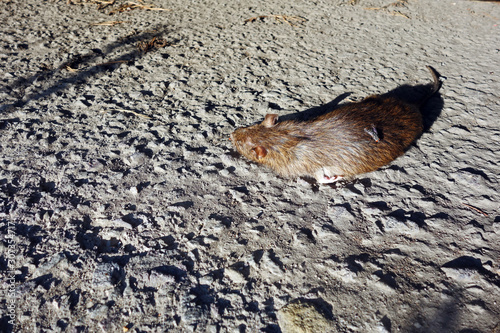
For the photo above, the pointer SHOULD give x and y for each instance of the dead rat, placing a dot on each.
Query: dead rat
(350, 140)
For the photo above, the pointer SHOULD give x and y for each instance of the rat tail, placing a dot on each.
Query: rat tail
(436, 85)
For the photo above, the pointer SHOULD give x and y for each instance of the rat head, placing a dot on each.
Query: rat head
(253, 142)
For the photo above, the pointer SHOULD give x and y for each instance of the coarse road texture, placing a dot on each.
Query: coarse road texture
(124, 207)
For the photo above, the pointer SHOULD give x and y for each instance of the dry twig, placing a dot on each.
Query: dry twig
(72, 70)
(124, 7)
(154, 43)
(474, 208)
(398, 3)
(101, 4)
(397, 13)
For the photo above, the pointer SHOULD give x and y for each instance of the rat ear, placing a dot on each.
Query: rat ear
(270, 120)
(260, 152)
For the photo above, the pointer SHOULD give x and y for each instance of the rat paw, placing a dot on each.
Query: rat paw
(323, 178)
(327, 179)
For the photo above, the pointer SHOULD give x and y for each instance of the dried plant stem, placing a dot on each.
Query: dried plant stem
(399, 3)
(474, 208)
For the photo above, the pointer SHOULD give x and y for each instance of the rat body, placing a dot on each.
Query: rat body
(350, 140)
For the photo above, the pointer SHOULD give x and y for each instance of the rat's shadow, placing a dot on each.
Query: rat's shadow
(431, 109)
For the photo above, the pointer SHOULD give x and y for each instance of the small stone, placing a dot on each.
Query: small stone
(305, 317)
(234, 276)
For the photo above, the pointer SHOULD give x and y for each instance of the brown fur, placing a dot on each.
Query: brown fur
(353, 139)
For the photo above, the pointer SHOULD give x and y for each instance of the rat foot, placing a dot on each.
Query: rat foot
(327, 179)
(323, 178)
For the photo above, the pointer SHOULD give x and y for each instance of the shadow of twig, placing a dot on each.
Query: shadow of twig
(80, 68)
